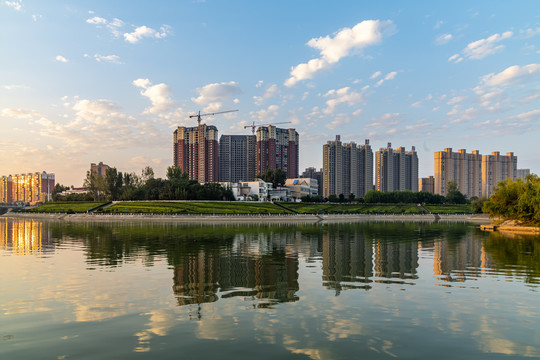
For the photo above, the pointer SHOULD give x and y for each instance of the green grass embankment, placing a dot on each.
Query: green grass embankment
(193, 207)
(67, 207)
(328, 208)
(449, 209)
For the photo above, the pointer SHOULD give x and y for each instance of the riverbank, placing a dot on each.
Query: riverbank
(281, 218)
(511, 226)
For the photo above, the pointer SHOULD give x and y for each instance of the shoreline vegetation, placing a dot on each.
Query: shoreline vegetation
(515, 206)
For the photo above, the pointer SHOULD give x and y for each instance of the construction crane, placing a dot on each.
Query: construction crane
(253, 125)
(198, 116)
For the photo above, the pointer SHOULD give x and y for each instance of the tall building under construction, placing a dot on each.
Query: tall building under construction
(196, 151)
(277, 149)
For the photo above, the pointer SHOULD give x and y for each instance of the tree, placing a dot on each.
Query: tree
(57, 190)
(276, 177)
(453, 195)
(95, 184)
(113, 183)
(516, 200)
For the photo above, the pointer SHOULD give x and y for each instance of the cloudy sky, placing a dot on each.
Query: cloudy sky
(109, 81)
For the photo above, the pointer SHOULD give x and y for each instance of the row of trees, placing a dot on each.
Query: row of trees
(516, 200)
(116, 185)
(454, 196)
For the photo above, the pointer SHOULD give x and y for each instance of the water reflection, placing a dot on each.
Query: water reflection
(25, 237)
(330, 291)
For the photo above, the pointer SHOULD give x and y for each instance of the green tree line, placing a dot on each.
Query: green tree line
(516, 200)
(116, 185)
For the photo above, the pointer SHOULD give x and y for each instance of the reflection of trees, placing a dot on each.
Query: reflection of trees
(209, 262)
(516, 255)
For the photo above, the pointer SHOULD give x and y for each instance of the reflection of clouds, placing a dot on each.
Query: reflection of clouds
(217, 327)
(160, 322)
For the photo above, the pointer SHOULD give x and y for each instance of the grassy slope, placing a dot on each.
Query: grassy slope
(65, 206)
(325, 208)
(194, 207)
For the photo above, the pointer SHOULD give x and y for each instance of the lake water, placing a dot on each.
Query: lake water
(373, 290)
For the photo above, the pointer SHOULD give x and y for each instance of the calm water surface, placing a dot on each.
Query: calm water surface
(363, 291)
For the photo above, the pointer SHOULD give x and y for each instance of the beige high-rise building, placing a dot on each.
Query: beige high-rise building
(396, 170)
(427, 184)
(497, 168)
(463, 168)
(522, 173)
(99, 169)
(347, 168)
(196, 151)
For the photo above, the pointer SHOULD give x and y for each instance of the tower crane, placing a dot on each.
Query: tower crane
(253, 125)
(199, 115)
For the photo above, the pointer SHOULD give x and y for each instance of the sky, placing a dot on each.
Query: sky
(89, 81)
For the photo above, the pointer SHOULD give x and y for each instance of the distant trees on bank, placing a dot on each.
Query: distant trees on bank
(116, 185)
(516, 200)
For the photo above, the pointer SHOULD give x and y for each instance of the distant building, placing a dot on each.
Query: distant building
(196, 151)
(427, 184)
(463, 168)
(347, 168)
(237, 158)
(302, 187)
(28, 188)
(497, 168)
(522, 173)
(99, 169)
(396, 170)
(277, 149)
(257, 190)
(312, 173)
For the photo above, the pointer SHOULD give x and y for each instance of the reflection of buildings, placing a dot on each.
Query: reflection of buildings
(456, 261)
(271, 275)
(346, 258)
(396, 259)
(24, 236)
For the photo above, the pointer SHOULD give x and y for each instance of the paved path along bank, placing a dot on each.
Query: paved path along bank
(222, 219)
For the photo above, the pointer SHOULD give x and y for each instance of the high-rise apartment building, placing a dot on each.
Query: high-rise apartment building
(463, 168)
(396, 170)
(347, 168)
(99, 169)
(497, 168)
(29, 188)
(312, 173)
(427, 184)
(196, 151)
(522, 173)
(237, 158)
(277, 149)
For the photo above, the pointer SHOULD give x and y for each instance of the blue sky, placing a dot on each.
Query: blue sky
(109, 81)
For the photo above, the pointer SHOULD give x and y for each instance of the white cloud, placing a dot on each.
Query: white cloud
(265, 115)
(530, 32)
(512, 75)
(115, 59)
(60, 58)
(386, 120)
(159, 95)
(456, 100)
(13, 87)
(531, 116)
(96, 20)
(332, 49)
(259, 83)
(340, 96)
(20, 113)
(270, 92)
(36, 17)
(216, 92)
(481, 48)
(375, 75)
(339, 120)
(389, 76)
(15, 5)
(443, 39)
(146, 32)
